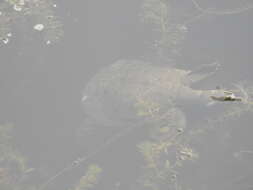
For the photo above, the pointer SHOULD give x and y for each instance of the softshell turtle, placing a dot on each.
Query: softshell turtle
(130, 90)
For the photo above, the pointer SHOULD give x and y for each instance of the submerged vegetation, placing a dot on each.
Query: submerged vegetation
(38, 14)
(132, 94)
(13, 168)
(157, 94)
(90, 179)
(170, 32)
(152, 97)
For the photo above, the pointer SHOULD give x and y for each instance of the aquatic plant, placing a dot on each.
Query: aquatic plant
(154, 97)
(13, 166)
(39, 15)
(90, 179)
